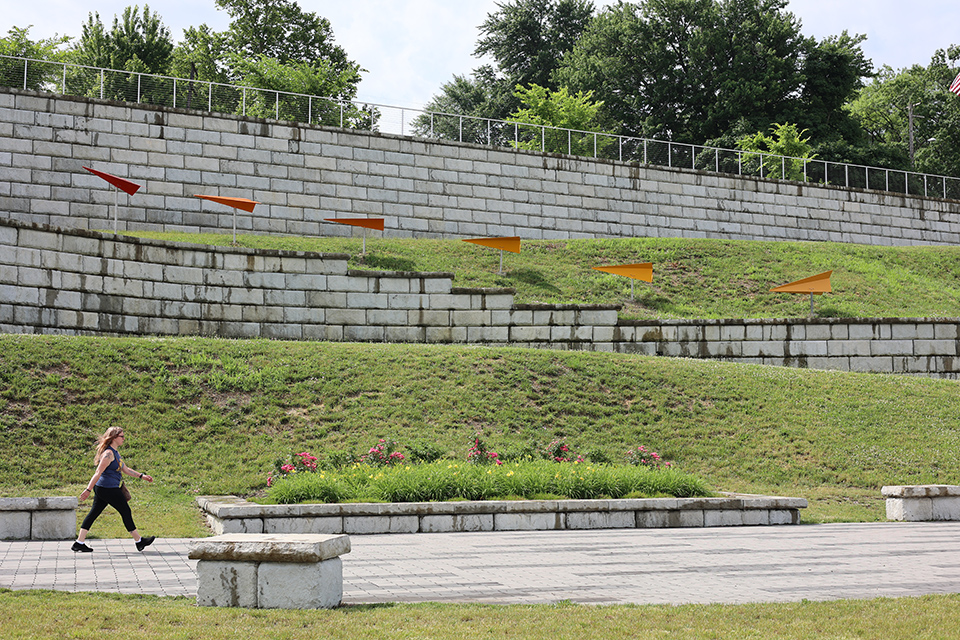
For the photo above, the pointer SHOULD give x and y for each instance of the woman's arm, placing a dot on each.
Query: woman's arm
(105, 460)
(136, 474)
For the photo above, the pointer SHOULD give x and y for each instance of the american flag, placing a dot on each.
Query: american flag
(955, 86)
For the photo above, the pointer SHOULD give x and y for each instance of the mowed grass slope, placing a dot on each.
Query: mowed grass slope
(692, 278)
(211, 416)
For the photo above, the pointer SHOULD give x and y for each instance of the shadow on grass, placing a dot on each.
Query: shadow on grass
(533, 278)
(388, 263)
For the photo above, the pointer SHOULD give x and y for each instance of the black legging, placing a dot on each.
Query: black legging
(103, 496)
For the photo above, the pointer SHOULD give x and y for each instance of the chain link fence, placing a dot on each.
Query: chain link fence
(77, 80)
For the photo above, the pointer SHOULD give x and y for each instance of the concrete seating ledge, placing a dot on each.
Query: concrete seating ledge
(53, 518)
(230, 514)
(261, 571)
(922, 502)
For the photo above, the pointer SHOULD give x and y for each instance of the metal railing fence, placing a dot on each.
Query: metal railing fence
(71, 79)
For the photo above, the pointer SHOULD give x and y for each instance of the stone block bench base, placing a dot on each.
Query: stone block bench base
(38, 518)
(924, 502)
(229, 514)
(261, 571)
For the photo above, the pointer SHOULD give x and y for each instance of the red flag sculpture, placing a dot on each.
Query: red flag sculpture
(366, 223)
(122, 184)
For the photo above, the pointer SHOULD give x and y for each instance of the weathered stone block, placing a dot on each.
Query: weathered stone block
(227, 584)
(380, 524)
(317, 585)
(14, 525)
(58, 524)
(528, 521)
(601, 520)
(450, 523)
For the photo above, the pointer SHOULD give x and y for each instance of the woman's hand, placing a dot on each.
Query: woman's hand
(148, 478)
(84, 494)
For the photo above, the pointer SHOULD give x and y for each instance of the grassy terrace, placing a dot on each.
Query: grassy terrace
(212, 416)
(692, 278)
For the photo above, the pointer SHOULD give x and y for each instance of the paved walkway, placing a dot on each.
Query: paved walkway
(730, 565)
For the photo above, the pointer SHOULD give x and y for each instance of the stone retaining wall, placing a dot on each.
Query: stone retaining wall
(302, 174)
(54, 281)
(229, 514)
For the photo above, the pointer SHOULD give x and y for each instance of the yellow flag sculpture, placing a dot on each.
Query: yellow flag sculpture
(511, 244)
(814, 285)
(638, 271)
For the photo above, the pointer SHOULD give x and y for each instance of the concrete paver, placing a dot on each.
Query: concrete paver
(653, 566)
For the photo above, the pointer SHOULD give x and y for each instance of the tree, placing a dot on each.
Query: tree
(780, 154)
(275, 46)
(137, 43)
(18, 44)
(527, 40)
(559, 118)
(279, 29)
(690, 70)
(478, 97)
(884, 110)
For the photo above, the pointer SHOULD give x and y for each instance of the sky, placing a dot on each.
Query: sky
(409, 48)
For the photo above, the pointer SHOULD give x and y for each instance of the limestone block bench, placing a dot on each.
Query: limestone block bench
(38, 518)
(916, 503)
(264, 571)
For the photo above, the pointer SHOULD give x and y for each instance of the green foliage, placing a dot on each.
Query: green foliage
(138, 42)
(781, 154)
(527, 40)
(17, 44)
(883, 110)
(689, 70)
(558, 110)
(443, 481)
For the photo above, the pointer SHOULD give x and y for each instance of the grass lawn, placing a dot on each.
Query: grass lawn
(208, 416)
(98, 615)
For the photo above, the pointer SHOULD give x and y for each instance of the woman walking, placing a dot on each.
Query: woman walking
(105, 485)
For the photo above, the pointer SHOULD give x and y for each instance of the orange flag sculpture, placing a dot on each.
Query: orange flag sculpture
(814, 285)
(367, 223)
(243, 204)
(638, 271)
(122, 184)
(510, 243)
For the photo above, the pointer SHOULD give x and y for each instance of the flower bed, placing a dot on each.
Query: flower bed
(445, 481)
(385, 474)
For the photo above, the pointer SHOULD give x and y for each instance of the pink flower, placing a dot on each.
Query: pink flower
(287, 468)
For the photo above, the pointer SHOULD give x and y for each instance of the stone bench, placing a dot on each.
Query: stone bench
(923, 502)
(38, 518)
(263, 571)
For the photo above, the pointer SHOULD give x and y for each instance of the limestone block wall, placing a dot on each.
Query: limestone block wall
(56, 281)
(302, 174)
(917, 346)
(91, 283)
